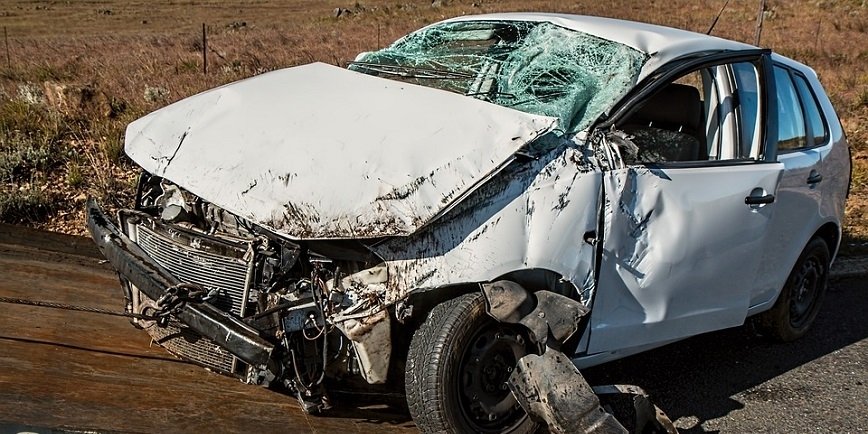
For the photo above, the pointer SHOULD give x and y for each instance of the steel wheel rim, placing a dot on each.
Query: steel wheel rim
(805, 291)
(484, 398)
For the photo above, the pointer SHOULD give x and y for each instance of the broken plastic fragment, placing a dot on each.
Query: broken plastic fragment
(552, 391)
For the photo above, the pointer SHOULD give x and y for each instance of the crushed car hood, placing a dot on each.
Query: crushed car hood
(317, 151)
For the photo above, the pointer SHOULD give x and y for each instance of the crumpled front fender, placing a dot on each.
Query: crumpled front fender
(551, 318)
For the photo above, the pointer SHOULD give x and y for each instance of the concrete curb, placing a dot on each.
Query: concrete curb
(848, 267)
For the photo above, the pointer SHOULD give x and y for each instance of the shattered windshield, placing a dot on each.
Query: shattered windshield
(535, 67)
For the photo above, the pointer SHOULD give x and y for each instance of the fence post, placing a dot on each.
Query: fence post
(204, 51)
(6, 39)
(759, 22)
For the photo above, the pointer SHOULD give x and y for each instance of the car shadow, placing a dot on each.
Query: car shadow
(853, 245)
(387, 409)
(698, 378)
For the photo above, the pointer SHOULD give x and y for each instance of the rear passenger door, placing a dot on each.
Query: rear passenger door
(687, 215)
(803, 145)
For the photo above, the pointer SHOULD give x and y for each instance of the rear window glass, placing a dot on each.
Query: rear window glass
(813, 117)
(791, 122)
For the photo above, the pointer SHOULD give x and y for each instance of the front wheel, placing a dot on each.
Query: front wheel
(457, 370)
(799, 301)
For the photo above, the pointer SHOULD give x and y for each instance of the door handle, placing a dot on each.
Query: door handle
(814, 178)
(759, 200)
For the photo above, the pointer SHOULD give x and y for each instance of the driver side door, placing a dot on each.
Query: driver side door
(686, 214)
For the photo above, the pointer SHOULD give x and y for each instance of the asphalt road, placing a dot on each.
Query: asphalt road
(62, 370)
(734, 381)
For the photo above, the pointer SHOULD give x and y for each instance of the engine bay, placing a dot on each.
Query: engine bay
(288, 292)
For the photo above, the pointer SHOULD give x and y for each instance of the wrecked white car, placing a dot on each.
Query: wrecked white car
(459, 210)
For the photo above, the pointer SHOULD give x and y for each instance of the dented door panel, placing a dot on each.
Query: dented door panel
(668, 234)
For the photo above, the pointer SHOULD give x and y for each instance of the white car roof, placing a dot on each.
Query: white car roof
(661, 43)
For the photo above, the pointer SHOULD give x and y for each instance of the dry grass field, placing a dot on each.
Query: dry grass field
(78, 71)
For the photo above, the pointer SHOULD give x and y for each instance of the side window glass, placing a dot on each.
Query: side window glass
(816, 125)
(748, 109)
(791, 122)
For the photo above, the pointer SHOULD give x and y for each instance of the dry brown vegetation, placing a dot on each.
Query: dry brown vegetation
(78, 71)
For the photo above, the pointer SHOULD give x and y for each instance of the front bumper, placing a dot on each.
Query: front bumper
(134, 265)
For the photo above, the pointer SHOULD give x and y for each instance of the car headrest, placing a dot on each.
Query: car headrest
(676, 105)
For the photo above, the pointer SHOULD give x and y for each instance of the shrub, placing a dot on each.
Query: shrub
(28, 205)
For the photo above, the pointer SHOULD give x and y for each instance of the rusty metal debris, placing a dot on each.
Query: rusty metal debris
(552, 391)
(548, 385)
(546, 315)
(648, 418)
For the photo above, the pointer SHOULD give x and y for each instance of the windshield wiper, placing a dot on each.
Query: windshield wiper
(413, 72)
(490, 95)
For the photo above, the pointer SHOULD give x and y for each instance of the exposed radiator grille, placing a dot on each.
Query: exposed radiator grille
(224, 274)
(188, 344)
(213, 264)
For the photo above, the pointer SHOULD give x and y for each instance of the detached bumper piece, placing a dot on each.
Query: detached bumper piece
(554, 393)
(141, 271)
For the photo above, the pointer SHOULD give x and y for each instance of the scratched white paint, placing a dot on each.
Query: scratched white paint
(317, 151)
(534, 215)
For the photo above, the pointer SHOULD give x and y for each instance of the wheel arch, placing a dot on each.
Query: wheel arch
(782, 322)
(829, 232)
(531, 280)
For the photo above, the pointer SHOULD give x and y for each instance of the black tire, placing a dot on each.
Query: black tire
(800, 299)
(460, 353)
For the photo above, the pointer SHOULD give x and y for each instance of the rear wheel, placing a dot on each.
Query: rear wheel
(457, 370)
(800, 299)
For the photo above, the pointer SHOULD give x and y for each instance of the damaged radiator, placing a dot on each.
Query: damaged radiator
(219, 266)
(225, 274)
(188, 345)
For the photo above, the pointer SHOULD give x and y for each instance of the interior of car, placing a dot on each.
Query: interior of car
(670, 126)
(706, 115)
